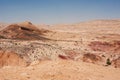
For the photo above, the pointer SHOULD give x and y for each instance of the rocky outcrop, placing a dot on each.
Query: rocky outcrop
(92, 58)
(71, 54)
(8, 58)
(30, 51)
(108, 47)
(23, 32)
(116, 63)
(100, 46)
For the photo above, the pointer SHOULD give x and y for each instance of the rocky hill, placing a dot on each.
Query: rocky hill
(23, 31)
(3, 25)
(82, 51)
(96, 42)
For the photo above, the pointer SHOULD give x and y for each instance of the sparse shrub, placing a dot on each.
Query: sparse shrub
(2, 37)
(108, 62)
(15, 43)
(103, 55)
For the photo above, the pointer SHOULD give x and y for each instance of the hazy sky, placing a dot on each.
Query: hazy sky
(58, 11)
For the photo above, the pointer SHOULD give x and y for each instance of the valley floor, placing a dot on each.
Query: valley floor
(60, 70)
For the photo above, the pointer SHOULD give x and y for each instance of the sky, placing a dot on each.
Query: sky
(58, 11)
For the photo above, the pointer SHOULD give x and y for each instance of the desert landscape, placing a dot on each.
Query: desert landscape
(81, 51)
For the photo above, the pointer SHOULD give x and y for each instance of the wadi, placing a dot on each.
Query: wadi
(81, 51)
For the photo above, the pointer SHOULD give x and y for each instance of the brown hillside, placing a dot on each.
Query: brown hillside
(25, 31)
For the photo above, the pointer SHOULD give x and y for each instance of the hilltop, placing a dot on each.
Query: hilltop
(23, 31)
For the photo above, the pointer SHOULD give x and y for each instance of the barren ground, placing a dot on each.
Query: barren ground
(82, 51)
(60, 70)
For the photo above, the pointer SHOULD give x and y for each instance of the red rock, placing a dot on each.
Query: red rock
(92, 58)
(116, 63)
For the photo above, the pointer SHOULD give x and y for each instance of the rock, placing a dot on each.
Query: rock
(18, 32)
(116, 63)
(91, 58)
(11, 59)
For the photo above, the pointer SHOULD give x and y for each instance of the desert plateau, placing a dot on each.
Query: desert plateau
(81, 51)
